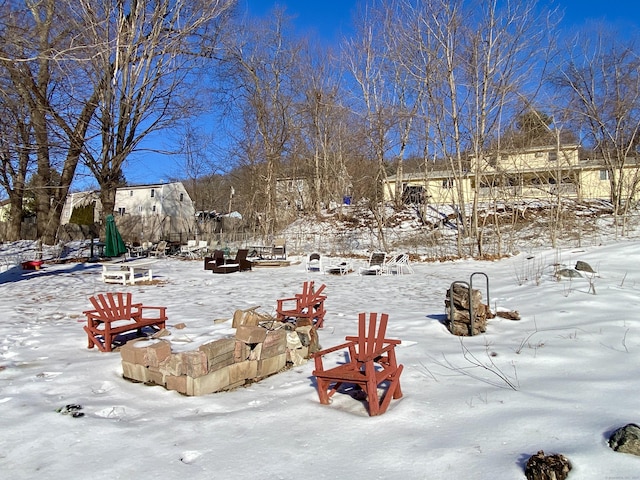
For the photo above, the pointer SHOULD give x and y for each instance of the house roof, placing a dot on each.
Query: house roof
(525, 150)
(150, 185)
(126, 187)
(589, 164)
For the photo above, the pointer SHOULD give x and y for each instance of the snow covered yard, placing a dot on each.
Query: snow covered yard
(561, 379)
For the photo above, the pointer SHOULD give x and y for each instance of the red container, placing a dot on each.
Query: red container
(32, 265)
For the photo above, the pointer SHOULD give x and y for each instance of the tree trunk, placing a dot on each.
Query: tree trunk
(15, 218)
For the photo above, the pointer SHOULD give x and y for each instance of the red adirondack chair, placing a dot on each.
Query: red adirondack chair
(115, 314)
(308, 304)
(372, 363)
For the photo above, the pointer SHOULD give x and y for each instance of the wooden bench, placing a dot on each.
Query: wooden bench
(309, 304)
(115, 314)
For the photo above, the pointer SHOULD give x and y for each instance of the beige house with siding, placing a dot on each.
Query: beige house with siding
(533, 173)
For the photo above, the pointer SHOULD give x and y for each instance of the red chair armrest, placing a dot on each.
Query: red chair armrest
(331, 349)
(282, 301)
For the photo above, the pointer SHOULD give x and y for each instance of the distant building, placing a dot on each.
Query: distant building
(167, 199)
(143, 212)
(5, 210)
(292, 193)
(28, 209)
(533, 173)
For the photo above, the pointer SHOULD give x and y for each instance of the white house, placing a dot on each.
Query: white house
(145, 212)
(164, 199)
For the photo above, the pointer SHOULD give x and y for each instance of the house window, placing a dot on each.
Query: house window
(181, 196)
(413, 194)
(139, 208)
(553, 156)
(153, 209)
(604, 174)
(447, 183)
(131, 193)
(153, 192)
(121, 211)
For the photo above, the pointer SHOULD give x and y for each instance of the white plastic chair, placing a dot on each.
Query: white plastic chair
(376, 264)
(314, 263)
(160, 250)
(398, 265)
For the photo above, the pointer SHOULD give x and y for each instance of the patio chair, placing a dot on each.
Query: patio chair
(370, 364)
(398, 265)
(241, 259)
(141, 250)
(238, 264)
(314, 263)
(279, 250)
(200, 250)
(189, 249)
(375, 265)
(339, 268)
(307, 305)
(159, 251)
(115, 314)
(215, 260)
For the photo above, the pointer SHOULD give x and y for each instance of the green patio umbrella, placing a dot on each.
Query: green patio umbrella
(113, 244)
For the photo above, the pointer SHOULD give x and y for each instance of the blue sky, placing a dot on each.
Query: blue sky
(326, 18)
(329, 19)
(619, 12)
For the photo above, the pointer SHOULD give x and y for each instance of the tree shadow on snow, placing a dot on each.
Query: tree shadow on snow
(17, 273)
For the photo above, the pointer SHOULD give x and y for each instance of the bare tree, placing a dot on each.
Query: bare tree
(476, 59)
(601, 82)
(15, 156)
(35, 48)
(388, 93)
(508, 53)
(409, 81)
(439, 38)
(260, 71)
(144, 71)
(196, 163)
(322, 138)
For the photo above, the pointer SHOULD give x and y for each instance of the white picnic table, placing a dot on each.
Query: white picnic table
(125, 272)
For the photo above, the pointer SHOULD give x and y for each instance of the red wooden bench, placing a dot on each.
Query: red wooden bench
(372, 363)
(309, 304)
(115, 314)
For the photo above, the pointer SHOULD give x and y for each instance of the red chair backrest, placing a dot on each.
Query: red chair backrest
(371, 337)
(113, 306)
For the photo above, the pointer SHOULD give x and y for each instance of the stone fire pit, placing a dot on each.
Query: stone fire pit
(261, 347)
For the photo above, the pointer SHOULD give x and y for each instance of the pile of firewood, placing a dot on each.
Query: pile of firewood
(459, 320)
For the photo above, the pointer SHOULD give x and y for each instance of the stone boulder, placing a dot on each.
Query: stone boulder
(584, 267)
(626, 439)
(568, 273)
